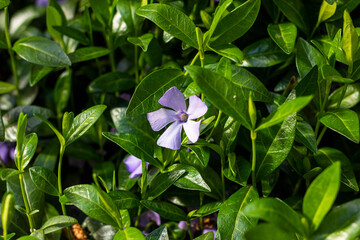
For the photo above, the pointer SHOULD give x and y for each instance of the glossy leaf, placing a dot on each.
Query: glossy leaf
(162, 182)
(83, 122)
(236, 23)
(326, 11)
(231, 222)
(28, 149)
(321, 194)
(88, 53)
(229, 51)
(350, 41)
(224, 94)
(171, 20)
(38, 72)
(62, 91)
(267, 231)
(263, 53)
(284, 111)
(343, 121)
(305, 134)
(309, 84)
(350, 98)
(202, 154)
(206, 236)
(273, 146)
(73, 33)
(6, 87)
(44, 179)
(342, 5)
(111, 82)
(57, 223)
(295, 11)
(124, 199)
(7, 209)
(53, 18)
(331, 74)
(151, 89)
(206, 209)
(327, 156)
(284, 35)
(42, 51)
(160, 233)
(142, 41)
(129, 234)
(101, 10)
(57, 133)
(165, 209)
(127, 9)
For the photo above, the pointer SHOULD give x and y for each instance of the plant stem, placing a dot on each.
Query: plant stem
(192, 62)
(201, 218)
(215, 125)
(253, 162)
(11, 53)
(62, 151)
(136, 64)
(189, 230)
(138, 216)
(111, 55)
(26, 203)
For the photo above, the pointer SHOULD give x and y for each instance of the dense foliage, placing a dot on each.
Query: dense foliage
(145, 119)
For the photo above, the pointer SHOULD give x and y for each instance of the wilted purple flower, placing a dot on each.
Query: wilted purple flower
(180, 116)
(147, 217)
(7, 150)
(134, 166)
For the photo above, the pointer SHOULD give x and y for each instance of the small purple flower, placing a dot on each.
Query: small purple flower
(7, 151)
(134, 166)
(205, 230)
(179, 116)
(149, 216)
(44, 3)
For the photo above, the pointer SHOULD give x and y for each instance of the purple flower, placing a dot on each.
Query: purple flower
(134, 166)
(7, 151)
(179, 116)
(44, 3)
(147, 217)
(205, 230)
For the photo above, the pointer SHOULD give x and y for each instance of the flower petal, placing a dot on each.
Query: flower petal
(171, 138)
(132, 163)
(192, 130)
(174, 99)
(160, 118)
(197, 108)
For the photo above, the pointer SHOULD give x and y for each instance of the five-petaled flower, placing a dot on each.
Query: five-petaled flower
(180, 116)
(134, 166)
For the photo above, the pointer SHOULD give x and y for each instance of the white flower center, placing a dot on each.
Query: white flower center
(183, 117)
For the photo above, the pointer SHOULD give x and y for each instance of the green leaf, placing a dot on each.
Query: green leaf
(307, 57)
(151, 89)
(42, 51)
(38, 72)
(93, 203)
(267, 231)
(224, 94)
(111, 82)
(171, 20)
(205, 210)
(321, 194)
(341, 223)
(330, 73)
(309, 84)
(276, 212)
(231, 129)
(83, 122)
(191, 180)
(273, 146)
(350, 41)
(6, 87)
(57, 133)
(6, 173)
(28, 238)
(105, 171)
(129, 233)
(57, 223)
(127, 9)
(229, 51)
(162, 182)
(142, 41)
(101, 10)
(88, 53)
(326, 11)
(342, 121)
(28, 149)
(4, 3)
(231, 222)
(124, 199)
(295, 11)
(236, 23)
(284, 110)
(263, 53)
(350, 99)
(135, 145)
(327, 156)
(53, 18)
(73, 33)
(44, 179)
(342, 5)
(284, 35)
(62, 91)
(305, 134)
(160, 233)
(165, 209)
(206, 236)
(7, 209)
(202, 154)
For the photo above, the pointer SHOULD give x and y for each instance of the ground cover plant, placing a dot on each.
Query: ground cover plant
(201, 119)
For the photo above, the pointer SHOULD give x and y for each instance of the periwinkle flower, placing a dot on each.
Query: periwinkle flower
(44, 3)
(134, 166)
(149, 216)
(7, 150)
(179, 117)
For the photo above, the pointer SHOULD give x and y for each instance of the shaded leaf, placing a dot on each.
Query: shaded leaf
(88, 53)
(162, 182)
(284, 35)
(165, 209)
(44, 179)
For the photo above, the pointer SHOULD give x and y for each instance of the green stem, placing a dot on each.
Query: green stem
(215, 125)
(62, 151)
(26, 203)
(111, 55)
(192, 62)
(11, 53)
(138, 216)
(189, 230)
(201, 203)
(321, 135)
(253, 162)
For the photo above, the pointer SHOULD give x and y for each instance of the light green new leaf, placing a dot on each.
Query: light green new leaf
(129, 233)
(142, 41)
(171, 20)
(284, 110)
(6, 87)
(206, 236)
(88, 53)
(284, 35)
(350, 41)
(28, 149)
(232, 223)
(350, 99)
(53, 18)
(327, 156)
(343, 5)
(321, 194)
(42, 51)
(343, 121)
(229, 51)
(151, 89)
(7, 210)
(326, 11)
(83, 122)
(165, 209)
